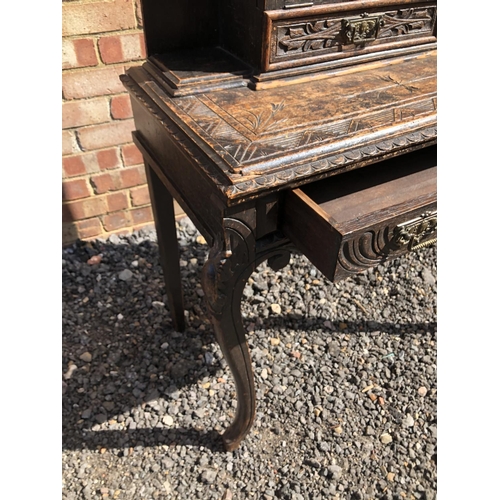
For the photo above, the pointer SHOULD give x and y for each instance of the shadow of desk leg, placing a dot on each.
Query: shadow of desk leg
(163, 210)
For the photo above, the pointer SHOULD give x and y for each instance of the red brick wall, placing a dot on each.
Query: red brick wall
(104, 183)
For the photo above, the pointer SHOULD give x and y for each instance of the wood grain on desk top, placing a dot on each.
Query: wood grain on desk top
(271, 137)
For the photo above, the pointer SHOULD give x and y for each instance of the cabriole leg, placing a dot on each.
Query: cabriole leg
(231, 262)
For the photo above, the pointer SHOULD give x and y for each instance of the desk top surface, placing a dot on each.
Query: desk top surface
(269, 138)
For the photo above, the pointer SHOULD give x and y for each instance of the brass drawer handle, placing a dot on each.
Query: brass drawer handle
(361, 30)
(411, 234)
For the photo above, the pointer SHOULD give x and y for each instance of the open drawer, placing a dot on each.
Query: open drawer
(353, 221)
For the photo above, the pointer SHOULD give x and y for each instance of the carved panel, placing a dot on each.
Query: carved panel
(390, 108)
(375, 246)
(337, 35)
(249, 135)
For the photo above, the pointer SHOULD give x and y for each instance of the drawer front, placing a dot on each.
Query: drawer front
(377, 244)
(344, 229)
(319, 34)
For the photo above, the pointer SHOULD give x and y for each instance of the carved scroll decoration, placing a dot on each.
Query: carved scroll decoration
(308, 36)
(375, 246)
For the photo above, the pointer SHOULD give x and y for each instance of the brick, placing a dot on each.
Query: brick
(108, 159)
(142, 215)
(115, 221)
(69, 144)
(89, 228)
(84, 209)
(97, 17)
(91, 163)
(131, 177)
(85, 112)
(117, 201)
(138, 14)
(103, 183)
(140, 196)
(110, 49)
(78, 53)
(121, 107)
(118, 179)
(67, 215)
(106, 135)
(122, 48)
(73, 165)
(75, 189)
(131, 155)
(92, 82)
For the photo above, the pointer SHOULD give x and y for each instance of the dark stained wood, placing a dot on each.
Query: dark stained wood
(175, 24)
(280, 124)
(346, 224)
(316, 34)
(163, 210)
(230, 263)
(193, 71)
(275, 35)
(292, 133)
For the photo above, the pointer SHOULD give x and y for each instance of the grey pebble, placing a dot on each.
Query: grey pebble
(125, 275)
(209, 476)
(149, 408)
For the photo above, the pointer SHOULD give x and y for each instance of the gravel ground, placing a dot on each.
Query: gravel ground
(345, 376)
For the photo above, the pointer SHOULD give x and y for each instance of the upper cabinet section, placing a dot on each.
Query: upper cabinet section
(340, 31)
(283, 39)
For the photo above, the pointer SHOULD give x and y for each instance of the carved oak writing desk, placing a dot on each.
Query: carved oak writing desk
(281, 125)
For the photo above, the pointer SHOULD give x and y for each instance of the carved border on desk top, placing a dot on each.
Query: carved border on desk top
(296, 173)
(301, 36)
(245, 140)
(180, 138)
(245, 151)
(333, 162)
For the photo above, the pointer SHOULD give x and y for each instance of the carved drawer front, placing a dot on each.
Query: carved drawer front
(340, 31)
(353, 221)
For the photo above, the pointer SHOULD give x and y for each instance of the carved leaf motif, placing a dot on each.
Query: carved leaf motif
(293, 45)
(295, 32)
(318, 26)
(405, 20)
(261, 123)
(317, 44)
(311, 36)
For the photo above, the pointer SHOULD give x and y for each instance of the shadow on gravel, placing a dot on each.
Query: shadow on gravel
(124, 440)
(121, 355)
(108, 393)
